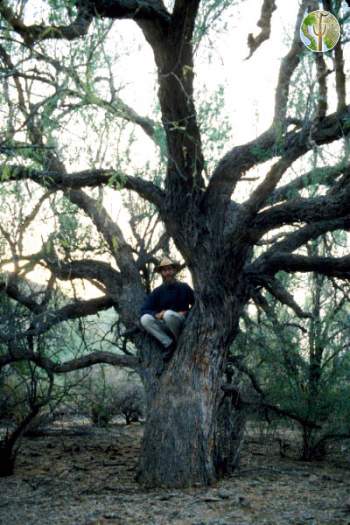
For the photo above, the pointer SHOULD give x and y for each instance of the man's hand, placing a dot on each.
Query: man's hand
(160, 315)
(183, 312)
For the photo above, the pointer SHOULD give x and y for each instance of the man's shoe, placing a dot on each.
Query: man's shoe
(168, 352)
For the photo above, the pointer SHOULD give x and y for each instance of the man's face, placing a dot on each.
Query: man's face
(168, 273)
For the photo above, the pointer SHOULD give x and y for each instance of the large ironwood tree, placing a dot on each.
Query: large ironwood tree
(222, 242)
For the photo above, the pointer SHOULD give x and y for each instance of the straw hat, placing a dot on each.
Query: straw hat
(167, 262)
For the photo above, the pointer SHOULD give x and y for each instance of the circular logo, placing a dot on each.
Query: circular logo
(320, 31)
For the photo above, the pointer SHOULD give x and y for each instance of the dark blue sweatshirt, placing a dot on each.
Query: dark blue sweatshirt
(173, 296)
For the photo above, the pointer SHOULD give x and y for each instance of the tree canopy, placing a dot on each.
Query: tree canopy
(58, 74)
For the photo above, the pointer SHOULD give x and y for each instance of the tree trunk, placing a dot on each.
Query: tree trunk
(307, 446)
(181, 444)
(7, 460)
(314, 447)
(230, 427)
(10, 443)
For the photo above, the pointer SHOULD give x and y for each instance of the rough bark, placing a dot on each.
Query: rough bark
(181, 444)
(230, 429)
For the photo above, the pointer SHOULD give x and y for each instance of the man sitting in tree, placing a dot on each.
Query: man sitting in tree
(164, 310)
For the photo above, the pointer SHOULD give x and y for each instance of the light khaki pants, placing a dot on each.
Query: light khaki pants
(172, 321)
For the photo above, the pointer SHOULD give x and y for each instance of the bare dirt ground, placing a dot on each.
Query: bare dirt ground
(81, 475)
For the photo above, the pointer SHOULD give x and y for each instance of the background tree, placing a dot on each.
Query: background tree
(32, 389)
(218, 235)
(299, 367)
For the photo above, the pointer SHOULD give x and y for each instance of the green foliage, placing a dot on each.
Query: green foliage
(261, 154)
(303, 365)
(101, 414)
(117, 180)
(215, 125)
(210, 18)
(6, 173)
(72, 233)
(303, 89)
(105, 394)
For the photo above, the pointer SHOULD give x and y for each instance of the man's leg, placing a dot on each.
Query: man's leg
(174, 321)
(156, 328)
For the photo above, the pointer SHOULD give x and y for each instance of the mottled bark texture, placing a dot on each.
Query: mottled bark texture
(230, 428)
(183, 442)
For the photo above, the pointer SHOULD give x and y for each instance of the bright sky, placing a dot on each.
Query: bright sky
(249, 85)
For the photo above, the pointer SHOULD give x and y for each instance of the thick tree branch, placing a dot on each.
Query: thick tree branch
(13, 286)
(91, 270)
(87, 178)
(256, 201)
(322, 72)
(283, 296)
(233, 166)
(264, 23)
(323, 176)
(95, 358)
(42, 322)
(298, 238)
(71, 365)
(295, 143)
(140, 10)
(6, 59)
(260, 195)
(310, 210)
(340, 78)
(173, 54)
(131, 293)
(122, 110)
(38, 32)
(287, 262)
(184, 16)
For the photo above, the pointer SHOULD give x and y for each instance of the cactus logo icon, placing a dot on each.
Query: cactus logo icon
(320, 31)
